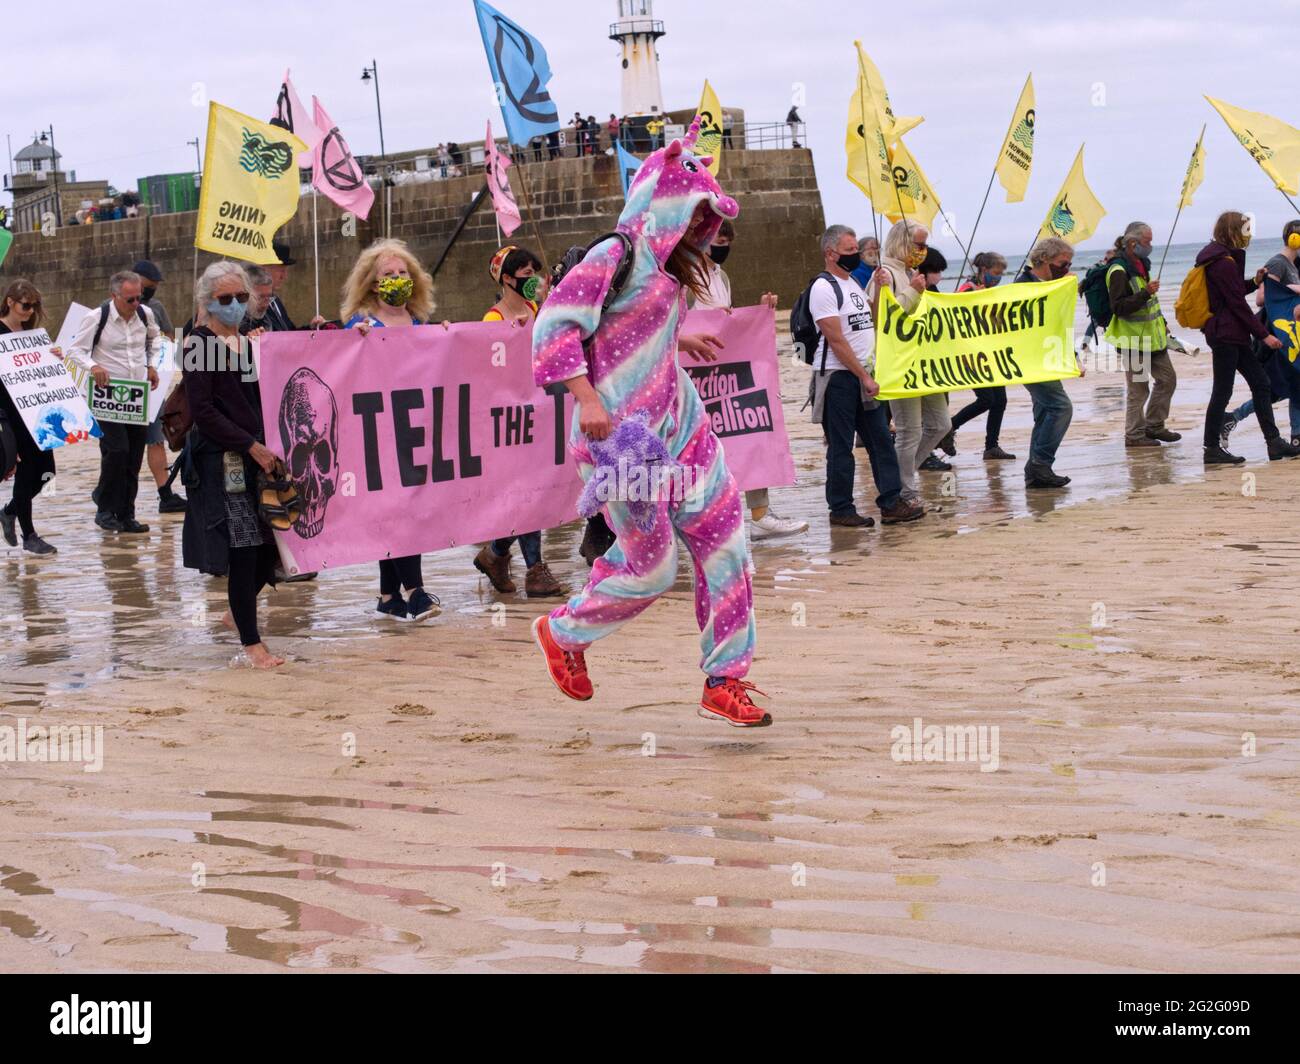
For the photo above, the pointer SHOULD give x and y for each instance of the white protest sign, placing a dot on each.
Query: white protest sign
(49, 400)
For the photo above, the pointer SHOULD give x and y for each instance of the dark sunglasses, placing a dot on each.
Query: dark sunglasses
(29, 306)
(132, 299)
(241, 297)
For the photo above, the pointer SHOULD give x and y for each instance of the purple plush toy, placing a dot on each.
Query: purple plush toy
(631, 458)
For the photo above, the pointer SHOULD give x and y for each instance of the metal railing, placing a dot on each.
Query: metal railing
(644, 26)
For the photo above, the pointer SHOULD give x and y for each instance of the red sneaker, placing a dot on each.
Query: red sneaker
(568, 668)
(730, 701)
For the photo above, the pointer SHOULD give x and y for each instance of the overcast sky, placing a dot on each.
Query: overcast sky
(120, 91)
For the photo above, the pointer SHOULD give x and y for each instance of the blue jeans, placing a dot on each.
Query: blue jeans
(844, 419)
(1052, 414)
(530, 546)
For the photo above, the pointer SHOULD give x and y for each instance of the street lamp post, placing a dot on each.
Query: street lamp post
(54, 170)
(366, 74)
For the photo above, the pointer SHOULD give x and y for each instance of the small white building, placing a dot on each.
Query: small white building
(638, 31)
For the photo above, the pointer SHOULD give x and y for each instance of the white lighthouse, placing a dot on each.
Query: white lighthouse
(638, 31)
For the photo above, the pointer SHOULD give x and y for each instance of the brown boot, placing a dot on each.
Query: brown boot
(497, 570)
(541, 583)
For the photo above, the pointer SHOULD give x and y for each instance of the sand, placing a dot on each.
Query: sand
(419, 798)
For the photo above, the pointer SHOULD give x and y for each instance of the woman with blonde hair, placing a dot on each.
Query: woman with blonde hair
(389, 289)
(919, 422)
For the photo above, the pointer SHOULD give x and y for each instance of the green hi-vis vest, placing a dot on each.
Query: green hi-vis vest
(1143, 331)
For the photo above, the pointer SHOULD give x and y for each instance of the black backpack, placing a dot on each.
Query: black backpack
(103, 320)
(621, 273)
(1095, 293)
(803, 330)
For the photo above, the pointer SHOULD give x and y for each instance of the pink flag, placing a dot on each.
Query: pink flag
(334, 170)
(495, 166)
(290, 114)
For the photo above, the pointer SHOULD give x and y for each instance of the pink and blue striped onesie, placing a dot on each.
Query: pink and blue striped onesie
(631, 361)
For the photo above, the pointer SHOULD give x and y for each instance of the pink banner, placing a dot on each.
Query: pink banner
(742, 394)
(407, 441)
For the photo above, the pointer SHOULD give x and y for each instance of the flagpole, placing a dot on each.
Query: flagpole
(532, 219)
(315, 247)
(1178, 214)
(966, 258)
(994, 174)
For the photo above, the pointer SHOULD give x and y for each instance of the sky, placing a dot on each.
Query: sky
(1125, 78)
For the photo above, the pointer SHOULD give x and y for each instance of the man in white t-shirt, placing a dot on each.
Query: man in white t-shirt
(845, 389)
(765, 522)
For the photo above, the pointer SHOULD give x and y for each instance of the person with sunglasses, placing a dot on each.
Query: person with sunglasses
(20, 309)
(118, 343)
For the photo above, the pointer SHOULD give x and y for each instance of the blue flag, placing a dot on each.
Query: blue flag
(628, 165)
(521, 72)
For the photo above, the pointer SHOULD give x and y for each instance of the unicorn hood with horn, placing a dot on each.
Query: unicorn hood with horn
(630, 351)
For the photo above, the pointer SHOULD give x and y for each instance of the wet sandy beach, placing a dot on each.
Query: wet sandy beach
(418, 798)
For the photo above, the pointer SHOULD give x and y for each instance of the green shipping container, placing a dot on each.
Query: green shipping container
(169, 193)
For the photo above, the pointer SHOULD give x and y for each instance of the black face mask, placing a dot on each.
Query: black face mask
(147, 293)
(1059, 271)
(849, 263)
(719, 252)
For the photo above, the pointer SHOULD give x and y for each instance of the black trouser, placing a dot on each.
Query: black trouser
(121, 453)
(844, 418)
(398, 573)
(244, 581)
(1229, 360)
(993, 400)
(35, 470)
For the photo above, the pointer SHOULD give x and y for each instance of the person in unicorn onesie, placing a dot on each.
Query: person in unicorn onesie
(637, 412)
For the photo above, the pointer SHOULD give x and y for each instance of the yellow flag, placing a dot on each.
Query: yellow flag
(892, 127)
(1271, 142)
(1195, 173)
(250, 185)
(1076, 212)
(709, 142)
(1017, 156)
(914, 193)
(867, 150)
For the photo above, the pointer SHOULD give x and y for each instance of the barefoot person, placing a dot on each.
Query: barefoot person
(224, 535)
(620, 363)
(389, 289)
(21, 309)
(519, 273)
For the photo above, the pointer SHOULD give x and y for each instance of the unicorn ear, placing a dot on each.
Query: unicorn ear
(706, 161)
(673, 151)
(693, 133)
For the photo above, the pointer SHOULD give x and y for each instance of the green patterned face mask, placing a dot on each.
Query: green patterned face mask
(529, 287)
(395, 291)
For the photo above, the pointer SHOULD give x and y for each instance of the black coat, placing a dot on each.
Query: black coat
(227, 413)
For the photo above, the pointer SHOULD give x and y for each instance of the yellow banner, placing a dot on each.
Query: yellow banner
(1195, 173)
(1076, 212)
(250, 185)
(709, 142)
(1011, 334)
(1017, 156)
(1271, 142)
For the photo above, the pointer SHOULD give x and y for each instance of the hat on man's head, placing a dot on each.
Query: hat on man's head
(147, 270)
(281, 249)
